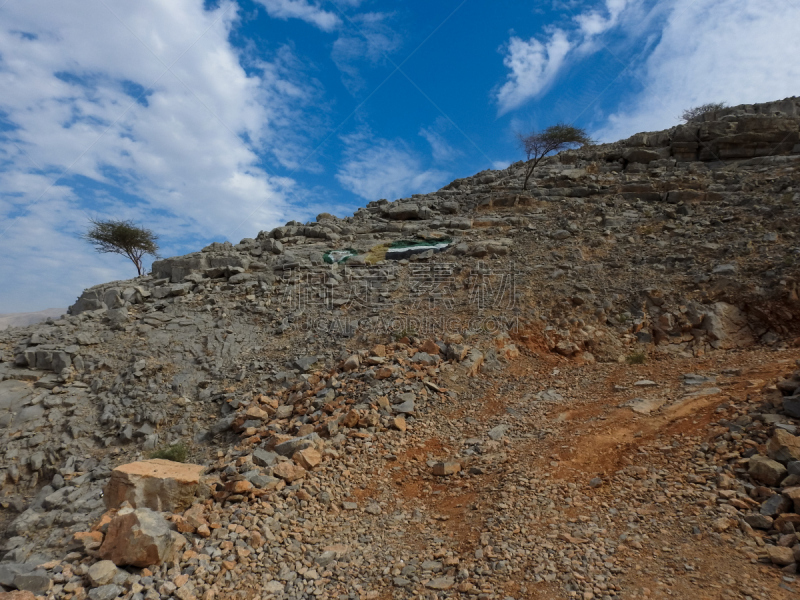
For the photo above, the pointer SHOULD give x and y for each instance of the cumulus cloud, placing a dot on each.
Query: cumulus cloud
(148, 114)
(701, 58)
(380, 168)
(594, 22)
(303, 10)
(534, 65)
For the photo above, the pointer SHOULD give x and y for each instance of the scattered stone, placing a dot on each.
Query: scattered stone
(351, 363)
(498, 432)
(264, 458)
(406, 407)
(759, 521)
(289, 471)
(308, 458)
(645, 406)
(441, 583)
(446, 468)
(102, 572)
(106, 592)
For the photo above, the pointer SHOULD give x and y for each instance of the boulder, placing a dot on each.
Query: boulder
(17, 595)
(793, 494)
(405, 212)
(89, 300)
(766, 470)
(140, 538)
(37, 582)
(775, 505)
(783, 446)
(780, 556)
(759, 521)
(791, 406)
(156, 484)
(781, 522)
(8, 571)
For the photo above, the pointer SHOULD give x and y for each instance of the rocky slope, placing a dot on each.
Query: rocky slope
(585, 389)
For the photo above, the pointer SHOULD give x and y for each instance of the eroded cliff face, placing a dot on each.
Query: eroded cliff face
(297, 366)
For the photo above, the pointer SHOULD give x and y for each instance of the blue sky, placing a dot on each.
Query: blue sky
(213, 120)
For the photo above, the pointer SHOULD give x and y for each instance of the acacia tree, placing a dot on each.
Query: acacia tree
(555, 138)
(122, 237)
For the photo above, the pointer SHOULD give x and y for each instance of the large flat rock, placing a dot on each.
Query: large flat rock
(13, 394)
(157, 484)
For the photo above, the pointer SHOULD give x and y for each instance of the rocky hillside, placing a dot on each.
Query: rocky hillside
(480, 392)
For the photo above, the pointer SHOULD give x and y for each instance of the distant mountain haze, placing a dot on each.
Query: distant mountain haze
(29, 318)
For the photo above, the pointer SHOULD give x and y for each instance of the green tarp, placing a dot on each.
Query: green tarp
(337, 256)
(406, 248)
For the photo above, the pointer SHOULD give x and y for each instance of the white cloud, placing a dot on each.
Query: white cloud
(534, 65)
(303, 10)
(379, 168)
(371, 40)
(188, 153)
(737, 51)
(594, 23)
(441, 149)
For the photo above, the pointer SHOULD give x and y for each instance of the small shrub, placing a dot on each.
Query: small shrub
(176, 453)
(636, 358)
(694, 113)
